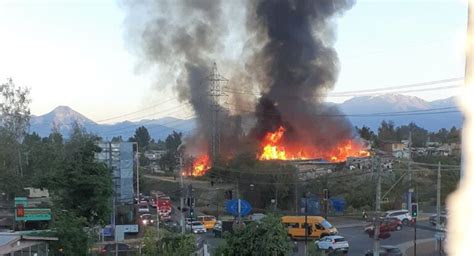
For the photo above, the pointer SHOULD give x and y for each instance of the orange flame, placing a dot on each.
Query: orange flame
(200, 166)
(274, 148)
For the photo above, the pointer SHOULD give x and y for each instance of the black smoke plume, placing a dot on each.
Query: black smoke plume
(181, 40)
(296, 66)
(285, 52)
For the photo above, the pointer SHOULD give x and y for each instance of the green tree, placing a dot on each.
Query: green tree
(142, 137)
(83, 185)
(454, 135)
(117, 139)
(170, 159)
(14, 109)
(14, 122)
(440, 136)
(176, 245)
(419, 136)
(366, 134)
(150, 248)
(268, 237)
(387, 131)
(73, 240)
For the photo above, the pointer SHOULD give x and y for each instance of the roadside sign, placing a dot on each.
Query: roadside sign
(232, 207)
(34, 214)
(107, 231)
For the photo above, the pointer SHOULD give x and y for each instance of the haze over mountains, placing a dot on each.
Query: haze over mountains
(362, 110)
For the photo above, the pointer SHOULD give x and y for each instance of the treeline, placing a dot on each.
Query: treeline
(80, 187)
(387, 131)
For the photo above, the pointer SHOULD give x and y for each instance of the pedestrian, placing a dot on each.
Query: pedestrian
(364, 215)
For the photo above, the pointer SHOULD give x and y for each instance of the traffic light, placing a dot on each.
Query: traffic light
(228, 194)
(414, 210)
(20, 210)
(326, 193)
(191, 201)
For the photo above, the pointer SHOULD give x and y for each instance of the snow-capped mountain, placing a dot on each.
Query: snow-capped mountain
(363, 110)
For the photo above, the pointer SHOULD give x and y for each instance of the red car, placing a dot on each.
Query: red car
(393, 224)
(387, 225)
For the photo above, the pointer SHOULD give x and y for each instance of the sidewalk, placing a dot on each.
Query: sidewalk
(424, 247)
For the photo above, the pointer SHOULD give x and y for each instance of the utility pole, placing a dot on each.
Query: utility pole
(410, 188)
(305, 226)
(157, 218)
(377, 209)
(181, 200)
(138, 172)
(296, 191)
(114, 198)
(438, 209)
(216, 85)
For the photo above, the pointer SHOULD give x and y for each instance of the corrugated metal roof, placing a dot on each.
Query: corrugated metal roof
(6, 239)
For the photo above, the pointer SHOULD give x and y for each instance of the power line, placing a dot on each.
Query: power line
(405, 86)
(137, 111)
(175, 109)
(118, 131)
(394, 113)
(376, 91)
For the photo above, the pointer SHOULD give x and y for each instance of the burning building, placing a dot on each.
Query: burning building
(286, 53)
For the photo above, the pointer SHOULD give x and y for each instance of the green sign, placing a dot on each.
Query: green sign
(35, 214)
(21, 200)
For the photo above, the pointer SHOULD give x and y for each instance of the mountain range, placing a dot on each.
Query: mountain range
(362, 110)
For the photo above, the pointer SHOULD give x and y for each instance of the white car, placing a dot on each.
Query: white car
(402, 215)
(196, 227)
(332, 243)
(143, 207)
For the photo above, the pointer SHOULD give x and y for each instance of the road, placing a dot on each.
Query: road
(359, 241)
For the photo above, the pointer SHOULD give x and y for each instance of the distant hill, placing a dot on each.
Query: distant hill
(363, 110)
(402, 110)
(63, 117)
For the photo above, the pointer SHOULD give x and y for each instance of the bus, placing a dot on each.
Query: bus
(317, 226)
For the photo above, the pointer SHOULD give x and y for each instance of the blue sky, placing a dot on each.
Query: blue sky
(72, 52)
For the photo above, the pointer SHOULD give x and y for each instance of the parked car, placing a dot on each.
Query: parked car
(402, 215)
(386, 250)
(196, 227)
(147, 219)
(330, 243)
(109, 249)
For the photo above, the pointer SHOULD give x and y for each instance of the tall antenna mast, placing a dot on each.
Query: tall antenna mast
(217, 84)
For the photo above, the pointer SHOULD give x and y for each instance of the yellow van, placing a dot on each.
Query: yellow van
(317, 226)
(208, 221)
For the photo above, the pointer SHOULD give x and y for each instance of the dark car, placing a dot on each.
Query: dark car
(109, 249)
(442, 219)
(386, 250)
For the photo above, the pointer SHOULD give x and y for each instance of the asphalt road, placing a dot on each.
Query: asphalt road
(360, 242)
